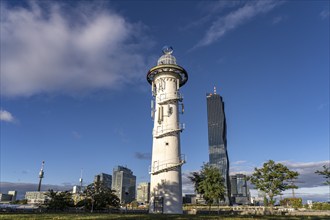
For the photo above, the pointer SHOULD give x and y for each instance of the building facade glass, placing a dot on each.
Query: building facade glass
(239, 190)
(217, 135)
(104, 179)
(143, 193)
(124, 184)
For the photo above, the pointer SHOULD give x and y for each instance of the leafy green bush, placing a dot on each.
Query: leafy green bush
(20, 202)
(292, 202)
(321, 206)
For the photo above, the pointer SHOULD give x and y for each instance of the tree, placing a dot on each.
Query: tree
(134, 204)
(292, 202)
(99, 197)
(321, 206)
(266, 201)
(210, 184)
(272, 178)
(59, 200)
(325, 173)
(20, 202)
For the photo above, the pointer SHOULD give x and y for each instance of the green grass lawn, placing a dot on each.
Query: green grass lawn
(147, 217)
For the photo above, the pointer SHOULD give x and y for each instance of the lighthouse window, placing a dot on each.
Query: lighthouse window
(166, 143)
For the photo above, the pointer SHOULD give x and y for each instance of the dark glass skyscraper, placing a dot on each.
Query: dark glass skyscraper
(217, 133)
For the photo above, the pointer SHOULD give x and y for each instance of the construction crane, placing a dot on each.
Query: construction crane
(41, 175)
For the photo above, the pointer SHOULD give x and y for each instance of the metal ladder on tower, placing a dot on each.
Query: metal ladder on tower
(165, 167)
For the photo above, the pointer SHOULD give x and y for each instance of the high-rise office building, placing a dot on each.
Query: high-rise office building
(217, 135)
(9, 197)
(239, 189)
(143, 193)
(104, 179)
(123, 182)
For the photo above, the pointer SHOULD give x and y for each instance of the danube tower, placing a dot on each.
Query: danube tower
(166, 186)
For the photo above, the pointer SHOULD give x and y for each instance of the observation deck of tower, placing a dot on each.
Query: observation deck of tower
(165, 79)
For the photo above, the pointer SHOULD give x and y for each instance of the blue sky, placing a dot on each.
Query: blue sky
(74, 92)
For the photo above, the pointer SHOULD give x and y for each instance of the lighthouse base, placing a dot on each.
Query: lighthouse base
(166, 195)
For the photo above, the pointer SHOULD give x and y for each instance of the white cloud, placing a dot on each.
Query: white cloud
(319, 193)
(324, 14)
(187, 185)
(236, 18)
(239, 162)
(279, 19)
(307, 176)
(142, 156)
(76, 135)
(305, 165)
(241, 167)
(210, 9)
(6, 116)
(44, 50)
(313, 192)
(322, 106)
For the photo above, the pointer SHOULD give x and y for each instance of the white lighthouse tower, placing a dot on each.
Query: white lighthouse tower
(166, 185)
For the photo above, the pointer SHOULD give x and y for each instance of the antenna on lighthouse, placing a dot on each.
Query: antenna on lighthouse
(215, 90)
(41, 175)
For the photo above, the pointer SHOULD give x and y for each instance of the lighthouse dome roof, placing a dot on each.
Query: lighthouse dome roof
(167, 58)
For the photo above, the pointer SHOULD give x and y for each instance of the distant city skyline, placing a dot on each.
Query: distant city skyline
(74, 92)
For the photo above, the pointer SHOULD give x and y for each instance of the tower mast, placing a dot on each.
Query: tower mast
(166, 78)
(41, 175)
(81, 180)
